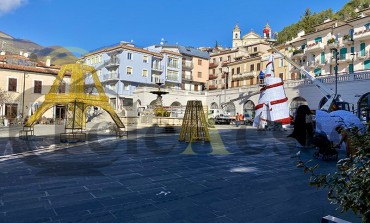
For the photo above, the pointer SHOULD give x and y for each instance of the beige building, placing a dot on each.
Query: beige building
(25, 84)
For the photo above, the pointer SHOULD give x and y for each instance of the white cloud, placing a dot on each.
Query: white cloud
(10, 5)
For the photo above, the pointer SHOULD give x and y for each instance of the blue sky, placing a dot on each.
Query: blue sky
(88, 25)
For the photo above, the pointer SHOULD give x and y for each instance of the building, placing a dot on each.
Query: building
(194, 64)
(25, 84)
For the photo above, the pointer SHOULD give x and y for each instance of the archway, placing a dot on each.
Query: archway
(214, 105)
(249, 109)
(176, 103)
(296, 102)
(363, 107)
(230, 108)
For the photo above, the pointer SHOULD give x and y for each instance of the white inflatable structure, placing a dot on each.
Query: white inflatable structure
(273, 103)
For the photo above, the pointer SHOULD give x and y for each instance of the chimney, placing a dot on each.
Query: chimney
(48, 62)
(21, 53)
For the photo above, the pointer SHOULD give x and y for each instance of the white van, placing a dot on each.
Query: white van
(216, 112)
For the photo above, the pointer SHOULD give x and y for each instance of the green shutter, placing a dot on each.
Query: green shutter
(343, 53)
(362, 49)
(318, 40)
(317, 72)
(322, 57)
(367, 64)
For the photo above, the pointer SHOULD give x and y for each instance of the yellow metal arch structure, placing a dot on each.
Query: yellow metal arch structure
(75, 100)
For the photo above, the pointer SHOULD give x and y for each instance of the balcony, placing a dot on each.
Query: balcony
(311, 64)
(157, 68)
(187, 65)
(187, 77)
(173, 65)
(112, 63)
(225, 63)
(297, 54)
(362, 55)
(362, 35)
(212, 87)
(110, 77)
(213, 65)
(320, 63)
(345, 58)
(212, 77)
(314, 47)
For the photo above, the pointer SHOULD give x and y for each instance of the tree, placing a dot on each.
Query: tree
(349, 187)
(5, 97)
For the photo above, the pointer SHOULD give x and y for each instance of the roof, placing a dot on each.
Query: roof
(190, 51)
(121, 46)
(38, 67)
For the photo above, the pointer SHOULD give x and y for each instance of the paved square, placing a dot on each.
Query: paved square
(244, 175)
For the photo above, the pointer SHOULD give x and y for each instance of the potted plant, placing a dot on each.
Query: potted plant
(346, 37)
(330, 41)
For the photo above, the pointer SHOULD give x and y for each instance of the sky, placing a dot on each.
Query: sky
(85, 25)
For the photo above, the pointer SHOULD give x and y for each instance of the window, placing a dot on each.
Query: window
(129, 71)
(37, 86)
(145, 73)
(255, 49)
(200, 74)
(199, 62)
(232, 71)
(281, 62)
(252, 67)
(100, 58)
(172, 75)
(281, 75)
(129, 56)
(258, 66)
(12, 84)
(229, 58)
(145, 59)
(220, 59)
(238, 70)
(173, 62)
(318, 40)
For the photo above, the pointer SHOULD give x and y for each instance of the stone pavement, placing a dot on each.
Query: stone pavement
(244, 175)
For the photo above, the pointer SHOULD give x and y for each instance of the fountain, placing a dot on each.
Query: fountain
(159, 94)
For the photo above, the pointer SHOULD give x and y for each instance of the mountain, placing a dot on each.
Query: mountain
(58, 55)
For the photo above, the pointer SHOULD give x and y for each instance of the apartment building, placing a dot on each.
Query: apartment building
(122, 68)
(194, 66)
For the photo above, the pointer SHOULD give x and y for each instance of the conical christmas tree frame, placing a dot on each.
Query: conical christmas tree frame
(76, 100)
(194, 125)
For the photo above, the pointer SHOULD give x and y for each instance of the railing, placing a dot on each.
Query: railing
(109, 77)
(362, 34)
(211, 65)
(187, 64)
(315, 46)
(187, 77)
(157, 67)
(212, 76)
(173, 65)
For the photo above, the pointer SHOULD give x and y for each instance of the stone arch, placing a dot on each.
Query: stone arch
(214, 105)
(363, 107)
(296, 102)
(230, 108)
(249, 109)
(176, 103)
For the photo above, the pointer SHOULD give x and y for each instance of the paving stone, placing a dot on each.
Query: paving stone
(88, 183)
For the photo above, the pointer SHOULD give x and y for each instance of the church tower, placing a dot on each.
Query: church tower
(267, 32)
(236, 36)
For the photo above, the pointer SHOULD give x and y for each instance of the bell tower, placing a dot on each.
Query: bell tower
(267, 32)
(236, 36)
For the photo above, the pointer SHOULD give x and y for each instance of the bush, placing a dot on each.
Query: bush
(349, 186)
(161, 112)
